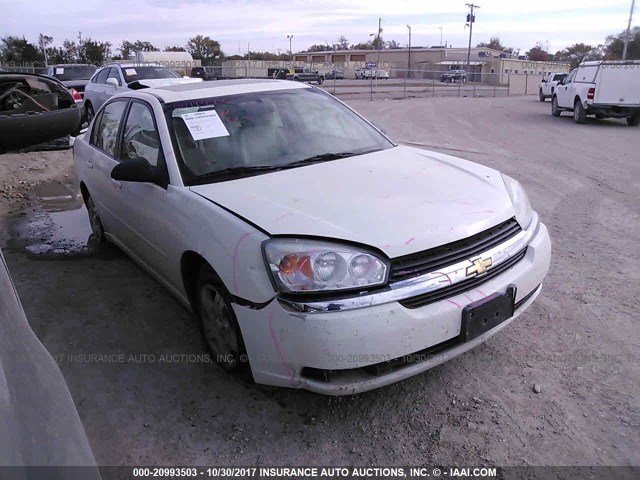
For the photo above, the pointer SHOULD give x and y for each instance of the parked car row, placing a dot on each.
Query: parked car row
(453, 76)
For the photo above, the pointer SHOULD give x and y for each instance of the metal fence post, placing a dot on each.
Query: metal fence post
(508, 84)
(433, 86)
(526, 83)
(406, 74)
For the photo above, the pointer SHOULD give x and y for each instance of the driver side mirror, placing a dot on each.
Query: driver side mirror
(113, 82)
(135, 170)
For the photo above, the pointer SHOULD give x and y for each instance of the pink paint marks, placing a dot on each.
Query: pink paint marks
(454, 303)
(451, 229)
(469, 298)
(446, 275)
(284, 215)
(276, 344)
(386, 246)
(234, 257)
(410, 240)
(480, 292)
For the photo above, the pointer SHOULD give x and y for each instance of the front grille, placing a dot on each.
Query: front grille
(419, 263)
(460, 287)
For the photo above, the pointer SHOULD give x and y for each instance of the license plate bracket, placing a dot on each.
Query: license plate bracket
(481, 316)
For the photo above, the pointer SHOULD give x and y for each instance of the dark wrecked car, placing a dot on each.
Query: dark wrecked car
(34, 109)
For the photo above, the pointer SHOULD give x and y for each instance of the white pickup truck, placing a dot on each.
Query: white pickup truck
(600, 88)
(549, 84)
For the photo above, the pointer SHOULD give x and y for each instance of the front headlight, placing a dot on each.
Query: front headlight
(520, 201)
(314, 266)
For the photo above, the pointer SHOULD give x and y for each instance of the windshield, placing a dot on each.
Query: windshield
(559, 78)
(74, 72)
(132, 74)
(265, 129)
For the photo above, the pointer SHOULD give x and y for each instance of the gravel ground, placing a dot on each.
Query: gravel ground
(560, 386)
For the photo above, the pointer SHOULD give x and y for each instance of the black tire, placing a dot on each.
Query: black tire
(320, 80)
(88, 112)
(218, 322)
(555, 110)
(633, 121)
(97, 228)
(579, 115)
(541, 97)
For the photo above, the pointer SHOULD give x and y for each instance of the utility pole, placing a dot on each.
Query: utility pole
(290, 51)
(409, 59)
(470, 19)
(626, 38)
(378, 56)
(79, 38)
(441, 36)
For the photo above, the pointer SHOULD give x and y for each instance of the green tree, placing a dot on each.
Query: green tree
(378, 42)
(94, 51)
(577, 53)
(204, 49)
(615, 44)
(538, 54)
(19, 50)
(318, 47)
(393, 44)
(493, 43)
(342, 43)
(362, 46)
(175, 48)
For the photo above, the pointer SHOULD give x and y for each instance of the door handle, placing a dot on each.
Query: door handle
(117, 183)
(89, 164)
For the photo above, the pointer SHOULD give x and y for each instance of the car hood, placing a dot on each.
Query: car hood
(400, 200)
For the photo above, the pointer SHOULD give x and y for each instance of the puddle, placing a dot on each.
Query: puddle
(58, 225)
(59, 233)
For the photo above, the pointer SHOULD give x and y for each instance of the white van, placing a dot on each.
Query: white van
(601, 88)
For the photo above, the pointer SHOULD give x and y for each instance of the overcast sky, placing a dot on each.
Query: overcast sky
(264, 25)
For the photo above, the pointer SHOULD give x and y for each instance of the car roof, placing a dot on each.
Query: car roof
(69, 65)
(218, 88)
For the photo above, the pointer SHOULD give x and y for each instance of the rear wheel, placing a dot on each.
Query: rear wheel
(633, 121)
(555, 110)
(89, 113)
(579, 115)
(218, 321)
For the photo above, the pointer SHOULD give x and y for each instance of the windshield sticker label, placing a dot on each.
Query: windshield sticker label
(59, 71)
(204, 125)
(130, 71)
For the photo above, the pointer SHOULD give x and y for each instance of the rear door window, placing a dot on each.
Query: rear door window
(106, 135)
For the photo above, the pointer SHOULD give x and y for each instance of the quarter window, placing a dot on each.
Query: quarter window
(106, 137)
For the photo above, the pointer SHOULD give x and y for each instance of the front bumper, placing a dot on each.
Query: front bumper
(283, 345)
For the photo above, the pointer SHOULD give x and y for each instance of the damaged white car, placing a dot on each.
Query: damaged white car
(315, 252)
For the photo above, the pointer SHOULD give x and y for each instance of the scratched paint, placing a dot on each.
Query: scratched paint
(410, 240)
(234, 258)
(276, 345)
(454, 303)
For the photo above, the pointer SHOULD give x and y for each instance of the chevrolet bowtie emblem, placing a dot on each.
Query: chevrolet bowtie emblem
(479, 266)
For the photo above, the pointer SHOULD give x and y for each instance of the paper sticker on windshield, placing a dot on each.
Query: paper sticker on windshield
(130, 71)
(59, 71)
(203, 125)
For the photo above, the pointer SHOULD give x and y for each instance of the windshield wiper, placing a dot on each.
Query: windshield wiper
(234, 172)
(323, 157)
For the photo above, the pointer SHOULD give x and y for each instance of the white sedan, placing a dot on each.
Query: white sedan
(315, 252)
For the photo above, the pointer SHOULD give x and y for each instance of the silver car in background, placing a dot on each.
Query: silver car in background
(117, 78)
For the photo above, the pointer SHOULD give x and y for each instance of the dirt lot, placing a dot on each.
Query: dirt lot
(579, 344)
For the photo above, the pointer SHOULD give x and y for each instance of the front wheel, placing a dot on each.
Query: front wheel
(555, 110)
(633, 121)
(579, 114)
(218, 321)
(94, 220)
(320, 80)
(541, 96)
